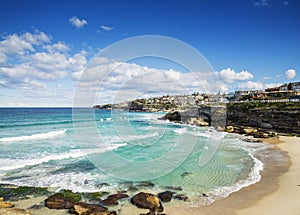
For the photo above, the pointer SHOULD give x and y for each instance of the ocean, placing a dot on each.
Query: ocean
(88, 150)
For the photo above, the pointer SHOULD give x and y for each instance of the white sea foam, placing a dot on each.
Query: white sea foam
(10, 164)
(180, 130)
(46, 135)
(138, 137)
(253, 177)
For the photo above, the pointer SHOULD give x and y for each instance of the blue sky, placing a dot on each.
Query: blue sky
(45, 45)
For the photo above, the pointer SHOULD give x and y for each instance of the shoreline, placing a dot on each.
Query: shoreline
(276, 193)
(273, 191)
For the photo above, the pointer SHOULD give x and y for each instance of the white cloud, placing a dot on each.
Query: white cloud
(261, 3)
(251, 85)
(229, 75)
(77, 22)
(290, 74)
(57, 47)
(119, 81)
(19, 45)
(34, 60)
(106, 28)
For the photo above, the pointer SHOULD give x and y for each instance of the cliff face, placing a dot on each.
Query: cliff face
(286, 119)
(277, 117)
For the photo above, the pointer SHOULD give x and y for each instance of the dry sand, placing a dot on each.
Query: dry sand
(286, 200)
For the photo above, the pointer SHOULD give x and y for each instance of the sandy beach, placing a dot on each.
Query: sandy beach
(277, 192)
(285, 200)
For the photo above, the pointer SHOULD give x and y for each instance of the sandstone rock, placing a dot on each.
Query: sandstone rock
(57, 201)
(229, 129)
(82, 208)
(6, 204)
(147, 201)
(249, 130)
(165, 196)
(197, 121)
(14, 211)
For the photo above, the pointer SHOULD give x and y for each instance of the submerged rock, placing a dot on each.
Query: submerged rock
(181, 197)
(174, 188)
(147, 201)
(146, 184)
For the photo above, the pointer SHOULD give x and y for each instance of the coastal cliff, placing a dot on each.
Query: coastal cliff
(257, 119)
(279, 117)
(260, 119)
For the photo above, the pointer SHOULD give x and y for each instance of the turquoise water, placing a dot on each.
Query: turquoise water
(57, 148)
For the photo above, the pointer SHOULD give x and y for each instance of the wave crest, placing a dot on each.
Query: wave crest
(46, 135)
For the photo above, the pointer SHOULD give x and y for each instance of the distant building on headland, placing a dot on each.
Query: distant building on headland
(285, 91)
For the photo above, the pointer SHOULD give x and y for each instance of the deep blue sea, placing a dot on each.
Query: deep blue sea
(90, 150)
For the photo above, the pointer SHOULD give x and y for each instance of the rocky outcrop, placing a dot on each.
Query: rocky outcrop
(277, 117)
(58, 201)
(147, 201)
(258, 120)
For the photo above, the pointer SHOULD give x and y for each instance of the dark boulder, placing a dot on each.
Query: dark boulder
(109, 202)
(173, 116)
(147, 201)
(118, 196)
(58, 201)
(112, 200)
(165, 196)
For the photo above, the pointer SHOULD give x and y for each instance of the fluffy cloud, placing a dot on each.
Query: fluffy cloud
(57, 47)
(290, 74)
(21, 44)
(77, 22)
(251, 85)
(106, 28)
(30, 59)
(120, 81)
(229, 75)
